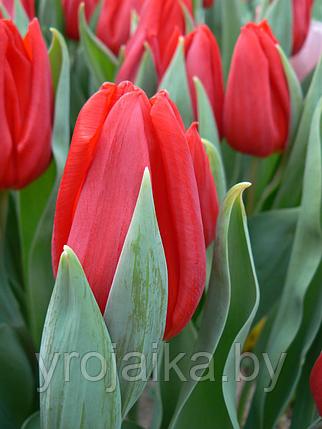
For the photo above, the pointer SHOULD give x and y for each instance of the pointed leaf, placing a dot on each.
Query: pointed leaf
(147, 76)
(100, 59)
(176, 83)
(86, 392)
(217, 169)
(279, 15)
(137, 305)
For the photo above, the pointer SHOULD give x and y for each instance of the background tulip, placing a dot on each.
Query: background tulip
(70, 9)
(25, 106)
(257, 103)
(29, 6)
(160, 25)
(118, 133)
(302, 10)
(114, 22)
(316, 383)
(203, 61)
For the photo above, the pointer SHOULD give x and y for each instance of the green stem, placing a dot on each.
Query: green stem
(3, 220)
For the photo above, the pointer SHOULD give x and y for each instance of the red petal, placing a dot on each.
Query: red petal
(109, 193)
(205, 182)
(316, 383)
(178, 212)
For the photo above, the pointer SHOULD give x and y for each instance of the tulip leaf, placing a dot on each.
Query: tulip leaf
(37, 201)
(304, 261)
(217, 169)
(207, 123)
(272, 235)
(230, 306)
(100, 60)
(296, 94)
(51, 14)
(137, 304)
(17, 380)
(84, 392)
(279, 14)
(279, 397)
(147, 76)
(289, 193)
(175, 81)
(33, 422)
(20, 17)
(231, 23)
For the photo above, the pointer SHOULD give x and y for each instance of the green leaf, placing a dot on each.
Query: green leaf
(147, 76)
(279, 397)
(85, 393)
(32, 422)
(217, 169)
(51, 14)
(304, 261)
(21, 18)
(289, 193)
(37, 201)
(17, 382)
(272, 235)
(207, 123)
(100, 59)
(296, 95)
(137, 304)
(279, 14)
(176, 83)
(231, 23)
(230, 307)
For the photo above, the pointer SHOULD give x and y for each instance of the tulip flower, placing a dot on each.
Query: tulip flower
(302, 10)
(161, 23)
(257, 102)
(25, 106)
(70, 10)
(203, 60)
(316, 383)
(120, 132)
(29, 6)
(114, 22)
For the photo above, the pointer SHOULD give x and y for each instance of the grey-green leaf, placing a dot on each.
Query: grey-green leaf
(176, 83)
(84, 392)
(137, 305)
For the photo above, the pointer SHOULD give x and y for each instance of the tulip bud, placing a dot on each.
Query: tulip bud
(70, 10)
(114, 22)
(316, 383)
(203, 60)
(302, 10)
(257, 102)
(25, 106)
(160, 25)
(119, 133)
(29, 6)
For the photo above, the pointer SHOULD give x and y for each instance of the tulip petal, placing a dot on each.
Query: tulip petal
(205, 182)
(179, 215)
(109, 193)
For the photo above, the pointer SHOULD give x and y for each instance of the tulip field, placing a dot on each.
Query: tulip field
(161, 214)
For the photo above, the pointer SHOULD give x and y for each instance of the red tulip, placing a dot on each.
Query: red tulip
(257, 102)
(70, 10)
(302, 10)
(29, 6)
(203, 61)
(161, 23)
(118, 133)
(316, 383)
(25, 106)
(114, 22)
